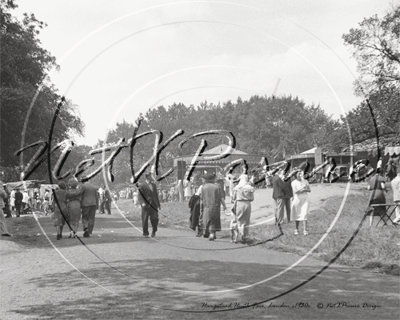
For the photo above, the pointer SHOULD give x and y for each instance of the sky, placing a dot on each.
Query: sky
(119, 58)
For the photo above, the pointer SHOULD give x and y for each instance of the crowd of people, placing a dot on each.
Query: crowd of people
(70, 202)
(74, 202)
(377, 187)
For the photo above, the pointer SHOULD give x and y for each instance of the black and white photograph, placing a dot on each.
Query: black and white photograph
(199, 159)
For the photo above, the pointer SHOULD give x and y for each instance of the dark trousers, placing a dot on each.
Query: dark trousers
(88, 214)
(279, 210)
(149, 212)
(107, 206)
(280, 205)
(18, 206)
(286, 204)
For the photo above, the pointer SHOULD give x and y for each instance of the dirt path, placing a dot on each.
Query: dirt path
(118, 274)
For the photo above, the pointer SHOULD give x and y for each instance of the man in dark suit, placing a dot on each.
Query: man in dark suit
(107, 201)
(287, 195)
(148, 199)
(89, 204)
(18, 201)
(278, 194)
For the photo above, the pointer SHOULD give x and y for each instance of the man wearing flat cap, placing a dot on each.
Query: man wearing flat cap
(210, 207)
(150, 204)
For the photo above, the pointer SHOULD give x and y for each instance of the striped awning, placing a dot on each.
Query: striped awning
(250, 159)
(392, 150)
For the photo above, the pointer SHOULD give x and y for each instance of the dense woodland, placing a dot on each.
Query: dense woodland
(274, 127)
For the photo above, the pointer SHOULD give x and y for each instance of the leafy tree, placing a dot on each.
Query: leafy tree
(375, 46)
(24, 64)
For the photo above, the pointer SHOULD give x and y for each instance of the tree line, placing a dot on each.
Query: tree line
(270, 126)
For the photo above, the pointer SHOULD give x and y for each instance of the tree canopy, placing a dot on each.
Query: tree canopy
(24, 64)
(376, 47)
(273, 127)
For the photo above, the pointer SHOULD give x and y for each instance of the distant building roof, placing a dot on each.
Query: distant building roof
(221, 148)
(235, 154)
(309, 151)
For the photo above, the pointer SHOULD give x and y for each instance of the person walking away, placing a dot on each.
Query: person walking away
(396, 196)
(74, 206)
(300, 204)
(278, 194)
(377, 196)
(136, 196)
(243, 195)
(12, 200)
(107, 201)
(7, 208)
(101, 199)
(89, 204)
(35, 200)
(194, 205)
(46, 202)
(229, 178)
(187, 185)
(210, 208)
(148, 199)
(3, 223)
(60, 208)
(18, 201)
(25, 201)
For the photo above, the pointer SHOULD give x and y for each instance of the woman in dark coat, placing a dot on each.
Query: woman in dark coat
(377, 187)
(74, 206)
(194, 205)
(210, 208)
(60, 208)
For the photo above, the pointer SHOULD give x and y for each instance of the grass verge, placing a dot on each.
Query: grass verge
(373, 248)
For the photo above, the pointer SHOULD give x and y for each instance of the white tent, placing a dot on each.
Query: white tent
(392, 151)
(311, 151)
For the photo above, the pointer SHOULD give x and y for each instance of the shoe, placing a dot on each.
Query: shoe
(211, 238)
(6, 235)
(146, 235)
(71, 235)
(86, 233)
(58, 237)
(206, 235)
(305, 233)
(296, 233)
(153, 234)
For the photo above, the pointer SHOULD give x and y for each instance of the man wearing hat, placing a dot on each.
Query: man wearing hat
(18, 201)
(210, 208)
(89, 203)
(278, 195)
(148, 199)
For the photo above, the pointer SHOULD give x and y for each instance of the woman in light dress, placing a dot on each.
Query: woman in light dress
(300, 203)
(187, 185)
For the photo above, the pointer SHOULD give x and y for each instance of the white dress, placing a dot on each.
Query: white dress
(300, 201)
(188, 188)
